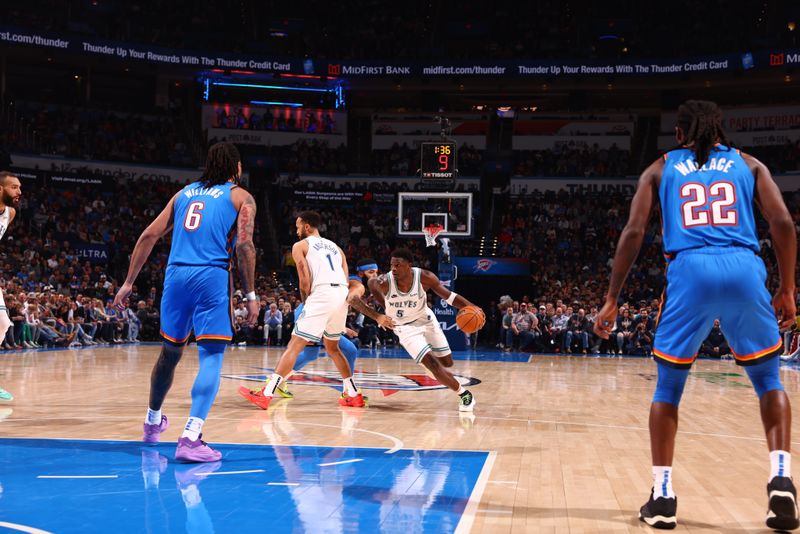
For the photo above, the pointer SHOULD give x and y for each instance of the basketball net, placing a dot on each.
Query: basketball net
(431, 233)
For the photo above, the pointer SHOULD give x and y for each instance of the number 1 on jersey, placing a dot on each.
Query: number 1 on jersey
(330, 260)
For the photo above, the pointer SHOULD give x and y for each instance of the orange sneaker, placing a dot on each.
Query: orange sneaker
(356, 402)
(256, 396)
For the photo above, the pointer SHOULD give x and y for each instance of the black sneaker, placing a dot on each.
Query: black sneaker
(660, 513)
(782, 512)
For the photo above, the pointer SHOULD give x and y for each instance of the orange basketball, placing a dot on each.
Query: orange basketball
(470, 319)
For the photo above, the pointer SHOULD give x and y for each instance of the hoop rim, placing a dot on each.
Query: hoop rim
(431, 232)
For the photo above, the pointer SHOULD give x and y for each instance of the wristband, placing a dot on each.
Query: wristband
(451, 298)
(251, 296)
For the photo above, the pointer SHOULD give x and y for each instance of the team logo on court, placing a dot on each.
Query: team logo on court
(389, 383)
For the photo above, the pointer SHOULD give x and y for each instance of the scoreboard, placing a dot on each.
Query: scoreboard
(438, 162)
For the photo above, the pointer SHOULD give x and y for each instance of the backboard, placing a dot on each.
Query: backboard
(453, 211)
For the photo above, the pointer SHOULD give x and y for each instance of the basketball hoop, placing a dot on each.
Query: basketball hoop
(431, 233)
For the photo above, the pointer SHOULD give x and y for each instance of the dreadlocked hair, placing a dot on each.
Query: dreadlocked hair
(222, 164)
(701, 122)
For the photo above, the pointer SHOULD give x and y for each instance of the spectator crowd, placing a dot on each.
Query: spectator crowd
(95, 134)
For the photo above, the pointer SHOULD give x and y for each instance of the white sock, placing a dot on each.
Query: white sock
(153, 417)
(461, 390)
(662, 482)
(780, 464)
(350, 387)
(274, 381)
(193, 428)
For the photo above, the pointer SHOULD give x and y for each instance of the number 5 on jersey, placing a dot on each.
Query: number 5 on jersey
(193, 216)
(697, 212)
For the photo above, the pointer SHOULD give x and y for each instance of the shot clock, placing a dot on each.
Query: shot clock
(438, 161)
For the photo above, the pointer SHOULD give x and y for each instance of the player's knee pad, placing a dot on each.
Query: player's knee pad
(5, 324)
(765, 376)
(669, 388)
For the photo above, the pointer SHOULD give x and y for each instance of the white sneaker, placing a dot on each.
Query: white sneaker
(466, 402)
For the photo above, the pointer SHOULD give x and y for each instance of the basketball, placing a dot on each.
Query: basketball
(470, 319)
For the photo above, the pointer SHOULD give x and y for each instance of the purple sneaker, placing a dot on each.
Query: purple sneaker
(152, 433)
(196, 451)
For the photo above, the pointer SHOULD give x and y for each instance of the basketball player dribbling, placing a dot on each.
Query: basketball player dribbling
(323, 274)
(403, 291)
(11, 192)
(706, 190)
(208, 219)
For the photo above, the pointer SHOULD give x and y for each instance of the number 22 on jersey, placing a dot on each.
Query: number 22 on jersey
(698, 211)
(193, 216)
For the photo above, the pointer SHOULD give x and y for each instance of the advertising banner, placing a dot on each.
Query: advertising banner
(95, 253)
(756, 120)
(90, 46)
(746, 139)
(477, 266)
(117, 171)
(271, 138)
(446, 314)
(343, 197)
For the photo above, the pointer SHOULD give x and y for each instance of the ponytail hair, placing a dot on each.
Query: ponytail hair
(222, 164)
(701, 122)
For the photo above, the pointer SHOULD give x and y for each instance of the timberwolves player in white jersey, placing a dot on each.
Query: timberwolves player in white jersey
(322, 270)
(10, 193)
(404, 294)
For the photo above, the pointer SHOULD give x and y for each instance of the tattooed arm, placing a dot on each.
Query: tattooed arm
(245, 249)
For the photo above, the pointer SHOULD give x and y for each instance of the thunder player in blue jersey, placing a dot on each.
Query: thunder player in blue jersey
(209, 219)
(706, 190)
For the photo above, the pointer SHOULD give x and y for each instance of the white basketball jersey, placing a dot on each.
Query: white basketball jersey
(405, 308)
(4, 217)
(325, 262)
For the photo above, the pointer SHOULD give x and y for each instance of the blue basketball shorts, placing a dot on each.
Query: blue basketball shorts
(199, 299)
(725, 283)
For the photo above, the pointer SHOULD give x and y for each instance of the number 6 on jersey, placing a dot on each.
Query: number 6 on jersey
(194, 214)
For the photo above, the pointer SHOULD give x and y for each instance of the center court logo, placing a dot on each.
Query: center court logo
(389, 383)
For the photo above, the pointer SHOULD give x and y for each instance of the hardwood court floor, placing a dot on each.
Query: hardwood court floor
(569, 433)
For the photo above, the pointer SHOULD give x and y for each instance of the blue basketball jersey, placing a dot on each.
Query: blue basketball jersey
(204, 226)
(709, 206)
